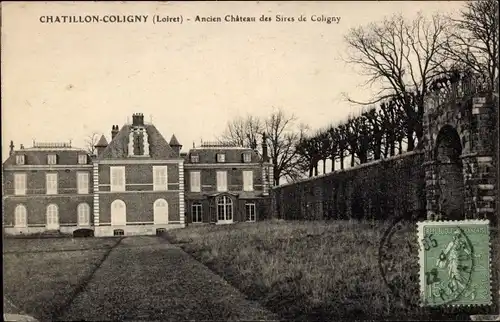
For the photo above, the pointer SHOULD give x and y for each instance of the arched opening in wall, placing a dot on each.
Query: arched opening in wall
(450, 180)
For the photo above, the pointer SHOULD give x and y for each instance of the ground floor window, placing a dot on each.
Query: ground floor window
(52, 217)
(250, 211)
(224, 209)
(83, 211)
(196, 212)
(118, 232)
(20, 216)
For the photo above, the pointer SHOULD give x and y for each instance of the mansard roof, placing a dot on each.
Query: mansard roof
(159, 149)
(233, 154)
(38, 154)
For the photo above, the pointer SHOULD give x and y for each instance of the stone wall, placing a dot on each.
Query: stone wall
(377, 190)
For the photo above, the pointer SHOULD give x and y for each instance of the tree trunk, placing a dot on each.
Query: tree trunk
(342, 160)
(324, 166)
(316, 168)
(333, 163)
(352, 160)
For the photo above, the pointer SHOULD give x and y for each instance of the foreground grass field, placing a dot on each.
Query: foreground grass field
(314, 270)
(41, 275)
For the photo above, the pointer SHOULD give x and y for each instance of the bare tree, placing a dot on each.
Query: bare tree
(244, 131)
(90, 142)
(473, 42)
(402, 57)
(282, 136)
(282, 139)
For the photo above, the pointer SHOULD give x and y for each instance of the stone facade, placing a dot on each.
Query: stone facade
(459, 143)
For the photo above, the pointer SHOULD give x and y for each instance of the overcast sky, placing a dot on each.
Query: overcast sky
(63, 81)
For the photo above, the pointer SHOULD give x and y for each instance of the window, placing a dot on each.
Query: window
(160, 182)
(196, 212)
(20, 216)
(195, 181)
(221, 181)
(160, 212)
(52, 217)
(20, 159)
(118, 213)
(82, 159)
(117, 175)
(195, 158)
(83, 211)
(247, 157)
(82, 182)
(221, 157)
(20, 183)
(247, 180)
(224, 209)
(51, 183)
(250, 211)
(52, 159)
(118, 232)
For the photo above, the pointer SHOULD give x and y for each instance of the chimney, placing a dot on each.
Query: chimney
(22, 146)
(114, 131)
(265, 157)
(137, 119)
(11, 147)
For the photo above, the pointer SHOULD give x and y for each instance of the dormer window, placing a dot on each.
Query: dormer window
(20, 159)
(52, 159)
(247, 157)
(82, 159)
(221, 157)
(195, 158)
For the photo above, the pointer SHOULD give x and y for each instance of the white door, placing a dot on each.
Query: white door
(160, 210)
(52, 217)
(118, 213)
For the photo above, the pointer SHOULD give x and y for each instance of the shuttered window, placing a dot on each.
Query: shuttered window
(195, 181)
(117, 175)
(221, 181)
(160, 180)
(51, 183)
(20, 183)
(247, 180)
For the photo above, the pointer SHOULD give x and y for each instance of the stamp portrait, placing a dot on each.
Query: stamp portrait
(454, 258)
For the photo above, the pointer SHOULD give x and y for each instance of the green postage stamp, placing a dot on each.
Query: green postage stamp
(454, 259)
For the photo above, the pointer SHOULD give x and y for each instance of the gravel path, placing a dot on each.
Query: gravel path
(147, 278)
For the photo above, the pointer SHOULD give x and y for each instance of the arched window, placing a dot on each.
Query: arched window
(118, 213)
(52, 217)
(83, 211)
(224, 209)
(20, 219)
(160, 212)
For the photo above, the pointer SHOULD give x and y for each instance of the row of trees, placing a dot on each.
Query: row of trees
(406, 59)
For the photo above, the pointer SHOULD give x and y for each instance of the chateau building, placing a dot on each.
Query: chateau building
(135, 184)
(47, 187)
(226, 184)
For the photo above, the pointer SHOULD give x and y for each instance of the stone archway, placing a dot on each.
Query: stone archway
(449, 174)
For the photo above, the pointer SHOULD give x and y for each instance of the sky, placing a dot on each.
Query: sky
(65, 81)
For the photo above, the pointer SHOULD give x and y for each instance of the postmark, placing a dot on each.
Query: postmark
(454, 260)
(397, 257)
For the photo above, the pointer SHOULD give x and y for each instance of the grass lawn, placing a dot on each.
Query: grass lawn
(314, 270)
(41, 275)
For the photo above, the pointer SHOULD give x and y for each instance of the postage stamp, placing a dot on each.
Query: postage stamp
(454, 259)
